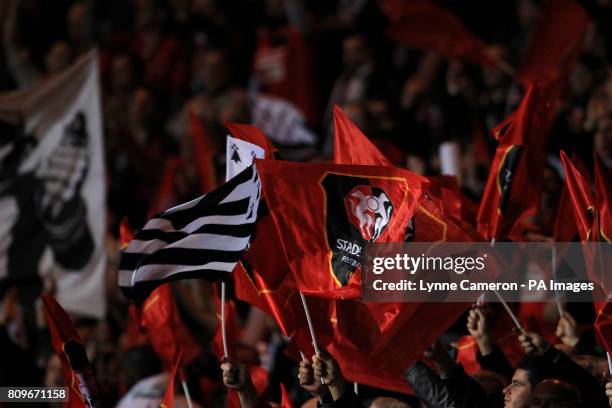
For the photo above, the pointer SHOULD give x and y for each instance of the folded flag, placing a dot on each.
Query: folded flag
(78, 374)
(203, 238)
(603, 326)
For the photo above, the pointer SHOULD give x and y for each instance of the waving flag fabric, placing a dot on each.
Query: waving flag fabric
(203, 238)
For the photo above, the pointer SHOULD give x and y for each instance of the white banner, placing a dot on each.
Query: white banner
(52, 187)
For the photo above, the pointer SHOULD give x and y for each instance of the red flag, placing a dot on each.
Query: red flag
(126, 233)
(373, 335)
(165, 330)
(424, 25)
(564, 229)
(168, 398)
(325, 213)
(432, 222)
(604, 202)
(204, 153)
(351, 146)
(78, 374)
(583, 201)
(512, 191)
(555, 40)
(254, 135)
(603, 326)
(285, 397)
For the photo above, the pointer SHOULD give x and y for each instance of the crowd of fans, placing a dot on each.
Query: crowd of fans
(162, 60)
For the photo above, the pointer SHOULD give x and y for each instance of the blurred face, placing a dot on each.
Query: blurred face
(355, 51)
(603, 138)
(516, 395)
(58, 58)
(54, 375)
(142, 106)
(76, 21)
(214, 71)
(122, 74)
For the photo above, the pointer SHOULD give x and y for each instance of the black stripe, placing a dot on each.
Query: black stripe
(130, 261)
(237, 231)
(141, 291)
(166, 236)
(211, 205)
(189, 256)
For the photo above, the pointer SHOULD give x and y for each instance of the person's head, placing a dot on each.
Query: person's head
(142, 108)
(493, 385)
(528, 374)
(54, 373)
(603, 139)
(387, 402)
(215, 70)
(58, 58)
(76, 22)
(139, 363)
(553, 393)
(355, 50)
(122, 73)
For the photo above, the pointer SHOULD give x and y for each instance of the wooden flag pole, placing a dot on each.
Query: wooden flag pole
(505, 304)
(310, 327)
(223, 332)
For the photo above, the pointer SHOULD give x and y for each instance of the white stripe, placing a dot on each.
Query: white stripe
(184, 206)
(165, 225)
(194, 241)
(248, 189)
(159, 272)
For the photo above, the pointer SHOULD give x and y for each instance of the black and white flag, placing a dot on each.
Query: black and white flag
(203, 238)
(52, 188)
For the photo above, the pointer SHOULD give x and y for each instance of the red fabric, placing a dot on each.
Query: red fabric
(165, 330)
(126, 233)
(168, 398)
(166, 193)
(283, 67)
(252, 134)
(603, 190)
(565, 228)
(512, 191)
(351, 146)
(63, 331)
(204, 154)
(285, 397)
(603, 326)
(134, 336)
(581, 196)
(334, 223)
(558, 32)
(423, 24)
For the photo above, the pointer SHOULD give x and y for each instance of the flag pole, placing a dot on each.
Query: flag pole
(504, 303)
(185, 389)
(223, 332)
(609, 361)
(310, 327)
(356, 388)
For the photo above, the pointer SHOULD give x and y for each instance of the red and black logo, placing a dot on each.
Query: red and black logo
(505, 173)
(358, 210)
